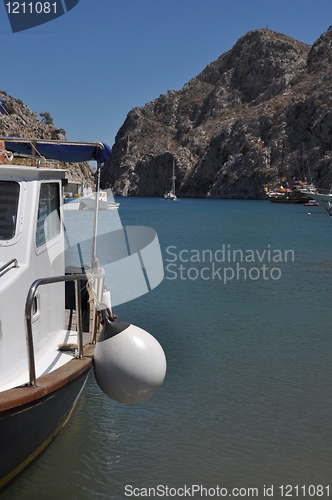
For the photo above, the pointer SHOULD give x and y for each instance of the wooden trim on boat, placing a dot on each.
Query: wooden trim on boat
(45, 385)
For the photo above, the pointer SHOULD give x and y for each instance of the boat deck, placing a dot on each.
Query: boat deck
(47, 384)
(54, 357)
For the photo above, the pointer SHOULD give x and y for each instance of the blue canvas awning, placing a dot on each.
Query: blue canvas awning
(60, 150)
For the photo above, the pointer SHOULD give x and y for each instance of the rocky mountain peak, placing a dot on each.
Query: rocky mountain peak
(321, 52)
(258, 60)
(261, 108)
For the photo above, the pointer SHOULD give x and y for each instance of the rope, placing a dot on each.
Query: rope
(41, 157)
(8, 154)
(90, 284)
(100, 306)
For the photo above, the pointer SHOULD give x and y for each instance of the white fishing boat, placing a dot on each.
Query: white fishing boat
(170, 195)
(44, 360)
(87, 201)
(323, 197)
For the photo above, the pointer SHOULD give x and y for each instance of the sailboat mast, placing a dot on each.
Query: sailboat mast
(282, 161)
(173, 178)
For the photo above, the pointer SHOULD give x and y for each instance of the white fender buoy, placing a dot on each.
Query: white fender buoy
(129, 363)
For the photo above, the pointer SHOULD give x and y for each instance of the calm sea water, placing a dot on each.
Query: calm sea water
(246, 402)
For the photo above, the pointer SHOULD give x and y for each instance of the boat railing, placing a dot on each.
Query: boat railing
(28, 315)
(12, 261)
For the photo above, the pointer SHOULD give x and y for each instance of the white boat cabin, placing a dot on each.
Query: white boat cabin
(31, 247)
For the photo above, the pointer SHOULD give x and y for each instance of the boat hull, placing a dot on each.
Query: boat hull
(296, 202)
(293, 197)
(89, 204)
(31, 417)
(325, 200)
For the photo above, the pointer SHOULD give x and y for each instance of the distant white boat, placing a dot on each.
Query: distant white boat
(88, 201)
(324, 198)
(171, 194)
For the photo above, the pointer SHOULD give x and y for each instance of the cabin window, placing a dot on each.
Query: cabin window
(9, 196)
(48, 222)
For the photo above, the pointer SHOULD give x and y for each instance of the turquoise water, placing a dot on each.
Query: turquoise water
(246, 402)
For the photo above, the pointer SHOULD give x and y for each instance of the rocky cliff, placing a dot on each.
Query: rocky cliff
(19, 121)
(261, 111)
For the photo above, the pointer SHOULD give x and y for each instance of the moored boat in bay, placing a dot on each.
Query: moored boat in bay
(45, 358)
(323, 197)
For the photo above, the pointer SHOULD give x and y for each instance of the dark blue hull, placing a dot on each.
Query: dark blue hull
(28, 427)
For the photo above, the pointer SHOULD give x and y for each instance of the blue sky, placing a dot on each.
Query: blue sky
(91, 66)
